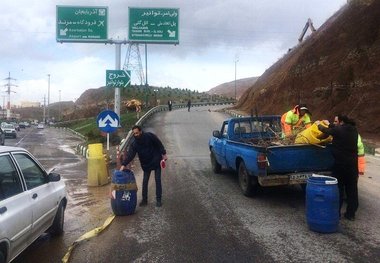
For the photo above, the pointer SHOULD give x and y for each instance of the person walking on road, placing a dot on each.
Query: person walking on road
(188, 105)
(345, 169)
(170, 103)
(150, 151)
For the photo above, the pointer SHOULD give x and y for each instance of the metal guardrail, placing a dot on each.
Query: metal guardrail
(83, 149)
(125, 143)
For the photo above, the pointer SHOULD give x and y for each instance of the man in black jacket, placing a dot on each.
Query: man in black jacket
(150, 151)
(345, 152)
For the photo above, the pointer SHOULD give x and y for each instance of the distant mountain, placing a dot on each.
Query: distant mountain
(55, 111)
(336, 70)
(228, 89)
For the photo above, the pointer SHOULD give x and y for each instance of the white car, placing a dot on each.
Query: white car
(40, 126)
(32, 201)
(9, 130)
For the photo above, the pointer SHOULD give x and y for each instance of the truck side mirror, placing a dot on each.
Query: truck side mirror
(216, 134)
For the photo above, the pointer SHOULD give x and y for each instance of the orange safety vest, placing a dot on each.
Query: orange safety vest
(361, 158)
(287, 127)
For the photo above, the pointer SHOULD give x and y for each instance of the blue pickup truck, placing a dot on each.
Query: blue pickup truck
(253, 147)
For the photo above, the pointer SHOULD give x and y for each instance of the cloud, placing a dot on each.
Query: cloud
(212, 33)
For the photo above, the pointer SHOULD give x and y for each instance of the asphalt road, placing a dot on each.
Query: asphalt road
(204, 217)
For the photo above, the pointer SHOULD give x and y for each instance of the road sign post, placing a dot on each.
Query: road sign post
(108, 121)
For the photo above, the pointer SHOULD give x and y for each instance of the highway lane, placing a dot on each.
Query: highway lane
(204, 217)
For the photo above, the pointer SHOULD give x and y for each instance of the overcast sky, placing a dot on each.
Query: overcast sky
(212, 33)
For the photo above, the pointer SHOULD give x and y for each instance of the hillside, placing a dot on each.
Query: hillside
(335, 70)
(228, 89)
(56, 111)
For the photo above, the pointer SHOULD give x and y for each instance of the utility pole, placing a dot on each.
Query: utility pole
(236, 60)
(48, 103)
(3, 108)
(9, 85)
(59, 105)
(44, 117)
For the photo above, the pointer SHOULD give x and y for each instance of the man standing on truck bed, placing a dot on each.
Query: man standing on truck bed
(345, 169)
(295, 120)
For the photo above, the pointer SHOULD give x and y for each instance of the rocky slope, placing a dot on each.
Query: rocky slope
(335, 70)
(228, 89)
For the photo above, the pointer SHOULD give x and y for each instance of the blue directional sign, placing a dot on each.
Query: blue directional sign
(108, 121)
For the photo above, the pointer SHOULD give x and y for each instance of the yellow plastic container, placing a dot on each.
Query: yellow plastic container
(313, 135)
(95, 150)
(97, 171)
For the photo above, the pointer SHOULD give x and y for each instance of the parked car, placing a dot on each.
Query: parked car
(32, 201)
(9, 130)
(17, 127)
(22, 125)
(2, 137)
(40, 126)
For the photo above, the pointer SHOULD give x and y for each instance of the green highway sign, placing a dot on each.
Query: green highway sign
(153, 25)
(118, 78)
(81, 24)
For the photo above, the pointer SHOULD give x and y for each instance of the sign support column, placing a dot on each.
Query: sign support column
(117, 67)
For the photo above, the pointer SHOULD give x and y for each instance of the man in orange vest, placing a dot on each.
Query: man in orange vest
(361, 158)
(295, 120)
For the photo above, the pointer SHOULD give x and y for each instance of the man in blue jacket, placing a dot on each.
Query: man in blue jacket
(150, 151)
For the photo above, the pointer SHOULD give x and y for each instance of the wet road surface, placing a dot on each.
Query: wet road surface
(204, 217)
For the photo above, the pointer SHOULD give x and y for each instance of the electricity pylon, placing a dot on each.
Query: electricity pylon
(133, 63)
(8, 90)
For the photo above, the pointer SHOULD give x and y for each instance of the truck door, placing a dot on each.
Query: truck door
(220, 145)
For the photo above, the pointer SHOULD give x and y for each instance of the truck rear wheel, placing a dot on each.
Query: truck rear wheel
(248, 184)
(216, 167)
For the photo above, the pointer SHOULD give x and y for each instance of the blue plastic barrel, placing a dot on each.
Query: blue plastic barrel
(322, 204)
(123, 192)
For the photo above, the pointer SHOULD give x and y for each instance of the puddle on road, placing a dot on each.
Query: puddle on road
(87, 199)
(67, 148)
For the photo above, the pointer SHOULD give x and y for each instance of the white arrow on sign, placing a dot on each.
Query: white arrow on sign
(111, 122)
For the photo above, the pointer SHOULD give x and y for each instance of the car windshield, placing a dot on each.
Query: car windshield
(9, 126)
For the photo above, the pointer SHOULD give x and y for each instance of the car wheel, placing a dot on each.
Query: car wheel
(57, 226)
(216, 167)
(248, 184)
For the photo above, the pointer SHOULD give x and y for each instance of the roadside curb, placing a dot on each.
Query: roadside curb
(82, 150)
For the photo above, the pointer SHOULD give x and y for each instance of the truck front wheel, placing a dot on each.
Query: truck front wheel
(248, 184)
(216, 167)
